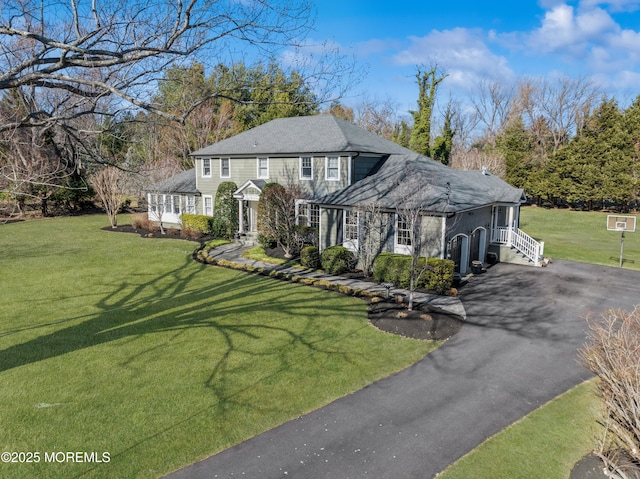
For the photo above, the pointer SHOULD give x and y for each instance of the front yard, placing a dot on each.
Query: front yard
(112, 343)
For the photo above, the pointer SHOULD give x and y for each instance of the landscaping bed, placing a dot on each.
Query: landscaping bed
(421, 323)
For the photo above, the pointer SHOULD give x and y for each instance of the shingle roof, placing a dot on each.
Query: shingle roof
(299, 135)
(414, 180)
(184, 182)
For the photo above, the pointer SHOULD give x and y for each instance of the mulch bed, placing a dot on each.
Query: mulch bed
(421, 323)
(170, 233)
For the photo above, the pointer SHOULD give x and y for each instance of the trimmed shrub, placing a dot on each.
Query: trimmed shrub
(337, 260)
(392, 268)
(440, 275)
(225, 222)
(201, 223)
(310, 257)
(437, 274)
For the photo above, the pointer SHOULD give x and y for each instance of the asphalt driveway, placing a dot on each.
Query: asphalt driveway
(516, 352)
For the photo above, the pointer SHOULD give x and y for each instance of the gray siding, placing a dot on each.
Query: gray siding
(467, 222)
(329, 228)
(431, 231)
(283, 170)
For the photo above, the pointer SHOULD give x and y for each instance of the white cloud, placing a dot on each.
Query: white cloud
(613, 5)
(461, 52)
(567, 31)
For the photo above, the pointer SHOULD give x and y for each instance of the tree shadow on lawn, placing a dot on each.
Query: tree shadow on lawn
(131, 311)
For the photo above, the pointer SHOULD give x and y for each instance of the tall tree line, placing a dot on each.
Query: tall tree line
(562, 141)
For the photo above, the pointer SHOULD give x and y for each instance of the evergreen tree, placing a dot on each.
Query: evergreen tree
(443, 144)
(401, 134)
(596, 165)
(514, 143)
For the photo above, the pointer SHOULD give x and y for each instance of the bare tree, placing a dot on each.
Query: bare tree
(612, 352)
(373, 229)
(475, 158)
(117, 47)
(156, 179)
(108, 184)
(417, 194)
(377, 116)
(75, 64)
(278, 220)
(563, 105)
(493, 105)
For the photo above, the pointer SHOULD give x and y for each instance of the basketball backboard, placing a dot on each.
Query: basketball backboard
(621, 223)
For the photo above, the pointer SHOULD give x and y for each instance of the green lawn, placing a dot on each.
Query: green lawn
(580, 236)
(114, 343)
(546, 443)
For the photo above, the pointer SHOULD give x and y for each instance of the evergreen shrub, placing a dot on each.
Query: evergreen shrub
(310, 257)
(337, 260)
(437, 274)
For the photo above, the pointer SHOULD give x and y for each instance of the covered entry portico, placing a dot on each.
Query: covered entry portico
(248, 195)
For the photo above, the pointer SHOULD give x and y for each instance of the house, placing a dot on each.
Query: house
(341, 167)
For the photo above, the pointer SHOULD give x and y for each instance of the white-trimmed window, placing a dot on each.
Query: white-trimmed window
(263, 167)
(332, 168)
(207, 201)
(307, 214)
(351, 229)
(314, 216)
(191, 205)
(302, 213)
(306, 168)
(403, 236)
(153, 203)
(206, 167)
(175, 202)
(225, 168)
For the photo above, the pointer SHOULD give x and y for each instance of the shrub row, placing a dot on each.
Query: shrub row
(437, 274)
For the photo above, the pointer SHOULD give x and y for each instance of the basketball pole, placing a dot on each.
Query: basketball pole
(621, 247)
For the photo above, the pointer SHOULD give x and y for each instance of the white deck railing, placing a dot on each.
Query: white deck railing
(521, 241)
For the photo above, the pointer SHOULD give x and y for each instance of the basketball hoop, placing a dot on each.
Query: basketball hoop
(622, 224)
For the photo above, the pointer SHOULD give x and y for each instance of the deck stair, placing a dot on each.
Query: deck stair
(515, 246)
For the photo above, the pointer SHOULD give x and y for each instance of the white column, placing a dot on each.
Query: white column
(494, 223)
(443, 238)
(240, 216)
(510, 226)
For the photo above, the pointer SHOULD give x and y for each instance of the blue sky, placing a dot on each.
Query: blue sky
(491, 40)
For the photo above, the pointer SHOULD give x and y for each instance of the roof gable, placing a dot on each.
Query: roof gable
(299, 135)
